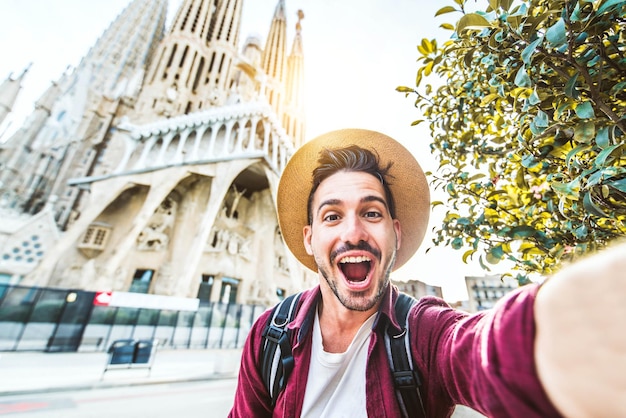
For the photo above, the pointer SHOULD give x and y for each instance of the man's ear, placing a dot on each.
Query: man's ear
(398, 229)
(306, 232)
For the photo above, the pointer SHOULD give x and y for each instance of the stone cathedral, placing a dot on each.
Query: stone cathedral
(152, 166)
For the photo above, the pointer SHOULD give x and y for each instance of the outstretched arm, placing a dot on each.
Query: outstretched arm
(580, 347)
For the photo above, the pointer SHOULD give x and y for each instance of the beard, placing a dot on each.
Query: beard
(356, 301)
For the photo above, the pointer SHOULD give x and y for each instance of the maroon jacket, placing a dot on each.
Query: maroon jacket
(484, 361)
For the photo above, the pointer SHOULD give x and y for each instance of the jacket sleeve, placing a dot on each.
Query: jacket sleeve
(251, 397)
(486, 360)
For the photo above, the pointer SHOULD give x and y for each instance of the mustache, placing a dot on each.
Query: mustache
(361, 245)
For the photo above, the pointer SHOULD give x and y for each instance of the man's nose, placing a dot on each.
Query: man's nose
(354, 230)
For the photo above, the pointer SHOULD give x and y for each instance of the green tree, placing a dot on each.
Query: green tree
(526, 105)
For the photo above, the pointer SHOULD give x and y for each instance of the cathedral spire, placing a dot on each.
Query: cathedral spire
(274, 57)
(9, 90)
(125, 47)
(294, 111)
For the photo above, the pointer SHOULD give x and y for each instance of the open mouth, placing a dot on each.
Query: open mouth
(355, 269)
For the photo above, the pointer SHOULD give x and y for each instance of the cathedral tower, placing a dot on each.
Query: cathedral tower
(63, 137)
(194, 65)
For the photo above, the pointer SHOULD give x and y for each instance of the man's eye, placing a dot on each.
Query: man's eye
(331, 218)
(373, 214)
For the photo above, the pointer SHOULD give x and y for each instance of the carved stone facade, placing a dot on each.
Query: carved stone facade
(176, 194)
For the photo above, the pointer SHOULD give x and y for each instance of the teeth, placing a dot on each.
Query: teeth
(360, 259)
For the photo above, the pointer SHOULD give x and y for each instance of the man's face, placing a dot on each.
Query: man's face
(353, 238)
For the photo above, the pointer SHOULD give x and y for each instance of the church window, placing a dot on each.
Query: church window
(95, 237)
(228, 292)
(219, 70)
(141, 281)
(182, 59)
(212, 61)
(196, 80)
(169, 62)
(205, 289)
(193, 64)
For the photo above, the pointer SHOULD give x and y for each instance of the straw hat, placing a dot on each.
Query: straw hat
(408, 187)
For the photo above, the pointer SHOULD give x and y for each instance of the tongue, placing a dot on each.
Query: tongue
(355, 272)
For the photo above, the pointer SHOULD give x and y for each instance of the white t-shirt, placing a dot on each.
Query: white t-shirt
(336, 384)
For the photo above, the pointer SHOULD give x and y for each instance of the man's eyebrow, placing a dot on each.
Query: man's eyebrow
(364, 199)
(372, 198)
(329, 202)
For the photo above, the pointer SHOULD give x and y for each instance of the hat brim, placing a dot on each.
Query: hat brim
(407, 183)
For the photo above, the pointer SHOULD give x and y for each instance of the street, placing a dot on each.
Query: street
(212, 398)
(206, 399)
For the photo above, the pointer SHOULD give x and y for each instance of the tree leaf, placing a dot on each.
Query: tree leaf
(472, 21)
(506, 4)
(523, 231)
(495, 254)
(591, 207)
(608, 5)
(618, 184)
(527, 53)
(556, 34)
(584, 110)
(602, 137)
(427, 46)
(444, 10)
(570, 86)
(468, 254)
(522, 79)
(603, 156)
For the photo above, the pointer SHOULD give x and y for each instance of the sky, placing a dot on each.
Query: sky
(356, 52)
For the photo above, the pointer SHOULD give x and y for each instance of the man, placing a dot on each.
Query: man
(353, 205)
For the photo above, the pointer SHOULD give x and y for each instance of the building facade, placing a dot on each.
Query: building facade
(485, 291)
(152, 167)
(418, 289)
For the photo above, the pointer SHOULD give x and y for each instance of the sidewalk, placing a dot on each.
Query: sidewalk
(36, 372)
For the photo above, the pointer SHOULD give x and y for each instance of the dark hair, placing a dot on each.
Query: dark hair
(350, 158)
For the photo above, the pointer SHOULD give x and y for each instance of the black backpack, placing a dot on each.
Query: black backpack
(277, 359)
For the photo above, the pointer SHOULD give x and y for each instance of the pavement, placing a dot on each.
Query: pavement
(41, 372)
(23, 373)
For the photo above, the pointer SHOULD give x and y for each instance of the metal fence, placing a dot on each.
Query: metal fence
(66, 320)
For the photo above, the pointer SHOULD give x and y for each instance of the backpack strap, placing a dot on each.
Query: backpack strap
(277, 360)
(406, 380)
